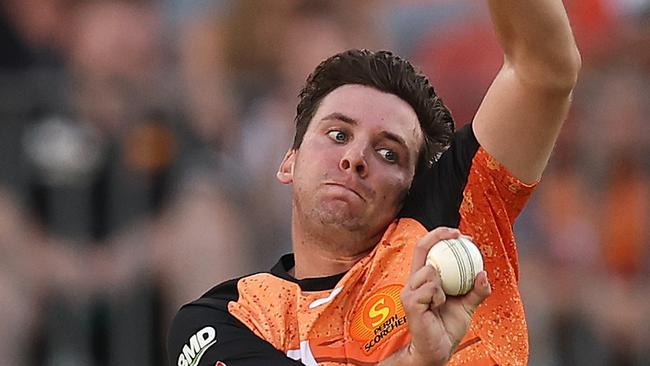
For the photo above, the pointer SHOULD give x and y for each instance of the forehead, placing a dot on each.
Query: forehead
(373, 109)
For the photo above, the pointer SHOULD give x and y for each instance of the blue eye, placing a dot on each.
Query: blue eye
(338, 136)
(388, 155)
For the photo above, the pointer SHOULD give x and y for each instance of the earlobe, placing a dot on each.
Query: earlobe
(285, 172)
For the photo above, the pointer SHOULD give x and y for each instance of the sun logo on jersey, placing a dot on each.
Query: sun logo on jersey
(378, 309)
(378, 317)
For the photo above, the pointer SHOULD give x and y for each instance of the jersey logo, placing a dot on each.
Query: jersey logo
(377, 317)
(197, 346)
(219, 363)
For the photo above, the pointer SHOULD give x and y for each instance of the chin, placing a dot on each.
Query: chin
(338, 214)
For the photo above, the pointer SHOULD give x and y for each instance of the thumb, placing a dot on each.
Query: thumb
(479, 293)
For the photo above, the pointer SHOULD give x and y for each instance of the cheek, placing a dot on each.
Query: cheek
(321, 156)
(315, 162)
(394, 189)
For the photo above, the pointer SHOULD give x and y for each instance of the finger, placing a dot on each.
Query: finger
(424, 294)
(438, 298)
(427, 241)
(421, 276)
(468, 237)
(428, 296)
(480, 292)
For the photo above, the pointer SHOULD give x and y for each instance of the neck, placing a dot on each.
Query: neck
(328, 253)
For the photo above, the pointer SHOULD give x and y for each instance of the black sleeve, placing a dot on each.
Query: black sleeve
(436, 194)
(204, 333)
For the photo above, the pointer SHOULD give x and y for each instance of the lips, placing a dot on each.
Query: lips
(353, 190)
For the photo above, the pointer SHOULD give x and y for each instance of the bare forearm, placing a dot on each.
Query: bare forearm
(537, 40)
(395, 359)
(404, 357)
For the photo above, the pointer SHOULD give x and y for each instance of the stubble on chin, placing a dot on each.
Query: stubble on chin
(327, 217)
(335, 215)
(335, 226)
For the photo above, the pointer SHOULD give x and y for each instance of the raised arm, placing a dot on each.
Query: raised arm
(524, 108)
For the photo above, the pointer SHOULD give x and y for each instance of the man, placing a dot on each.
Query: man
(378, 178)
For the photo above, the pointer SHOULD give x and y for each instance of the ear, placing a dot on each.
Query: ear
(285, 172)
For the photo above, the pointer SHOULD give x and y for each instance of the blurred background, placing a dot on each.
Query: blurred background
(139, 142)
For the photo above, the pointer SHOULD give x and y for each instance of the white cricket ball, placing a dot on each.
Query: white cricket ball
(458, 261)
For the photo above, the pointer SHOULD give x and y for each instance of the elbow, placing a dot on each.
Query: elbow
(556, 73)
(563, 70)
(560, 72)
(569, 69)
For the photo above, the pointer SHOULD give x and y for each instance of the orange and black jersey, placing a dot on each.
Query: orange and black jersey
(356, 317)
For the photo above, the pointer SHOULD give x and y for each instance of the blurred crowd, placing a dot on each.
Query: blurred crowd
(139, 141)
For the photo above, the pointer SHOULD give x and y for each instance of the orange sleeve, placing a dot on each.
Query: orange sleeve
(492, 199)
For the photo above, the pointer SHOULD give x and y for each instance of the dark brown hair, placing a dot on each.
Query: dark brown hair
(387, 73)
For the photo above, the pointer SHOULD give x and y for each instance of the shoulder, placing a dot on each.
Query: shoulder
(209, 309)
(206, 330)
(225, 291)
(437, 192)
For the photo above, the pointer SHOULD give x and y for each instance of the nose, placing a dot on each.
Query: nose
(354, 160)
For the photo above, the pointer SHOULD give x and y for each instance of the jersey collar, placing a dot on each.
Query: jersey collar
(287, 262)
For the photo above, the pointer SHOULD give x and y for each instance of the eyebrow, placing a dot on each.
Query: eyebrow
(349, 120)
(340, 117)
